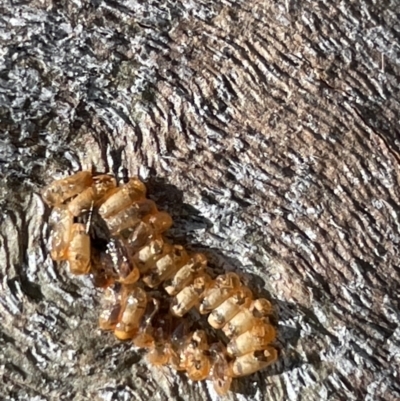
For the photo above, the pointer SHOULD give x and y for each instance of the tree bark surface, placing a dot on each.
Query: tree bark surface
(268, 129)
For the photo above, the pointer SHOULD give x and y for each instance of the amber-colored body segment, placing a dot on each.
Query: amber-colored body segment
(78, 254)
(145, 336)
(133, 190)
(134, 301)
(135, 268)
(166, 266)
(230, 308)
(255, 339)
(223, 287)
(190, 296)
(254, 361)
(102, 185)
(61, 223)
(240, 323)
(195, 358)
(130, 217)
(184, 276)
(59, 191)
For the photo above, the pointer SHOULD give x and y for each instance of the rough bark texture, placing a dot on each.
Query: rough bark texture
(268, 129)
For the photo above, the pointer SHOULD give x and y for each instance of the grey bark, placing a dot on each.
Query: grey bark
(268, 129)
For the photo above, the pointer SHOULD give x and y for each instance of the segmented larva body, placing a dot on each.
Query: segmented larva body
(151, 284)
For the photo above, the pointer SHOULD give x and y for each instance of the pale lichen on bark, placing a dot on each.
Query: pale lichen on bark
(267, 129)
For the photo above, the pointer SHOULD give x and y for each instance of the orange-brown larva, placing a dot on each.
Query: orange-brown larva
(61, 190)
(151, 285)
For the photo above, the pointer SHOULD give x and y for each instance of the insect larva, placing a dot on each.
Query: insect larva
(61, 190)
(255, 339)
(78, 254)
(254, 361)
(190, 295)
(222, 288)
(134, 305)
(132, 191)
(196, 266)
(229, 308)
(151, 284)
(111, 307)
(61, 225)
(101, 185)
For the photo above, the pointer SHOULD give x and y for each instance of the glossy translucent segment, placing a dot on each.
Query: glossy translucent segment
(194, 267)
(131, 216)
(61, 224)
(223, 287)
(137, 237)
(59, 191)
(175, 358)
(221, 373)
(166, 266)
(257, 338)
(79, 250)
(145, 336)
(133, 307)
(254, 361)
(132, 276)
(158, 222)
(240, 323)
(229, 308)
(189, 296)
(87, 199)
(132, 191)
(111, 308)
(146, 258)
